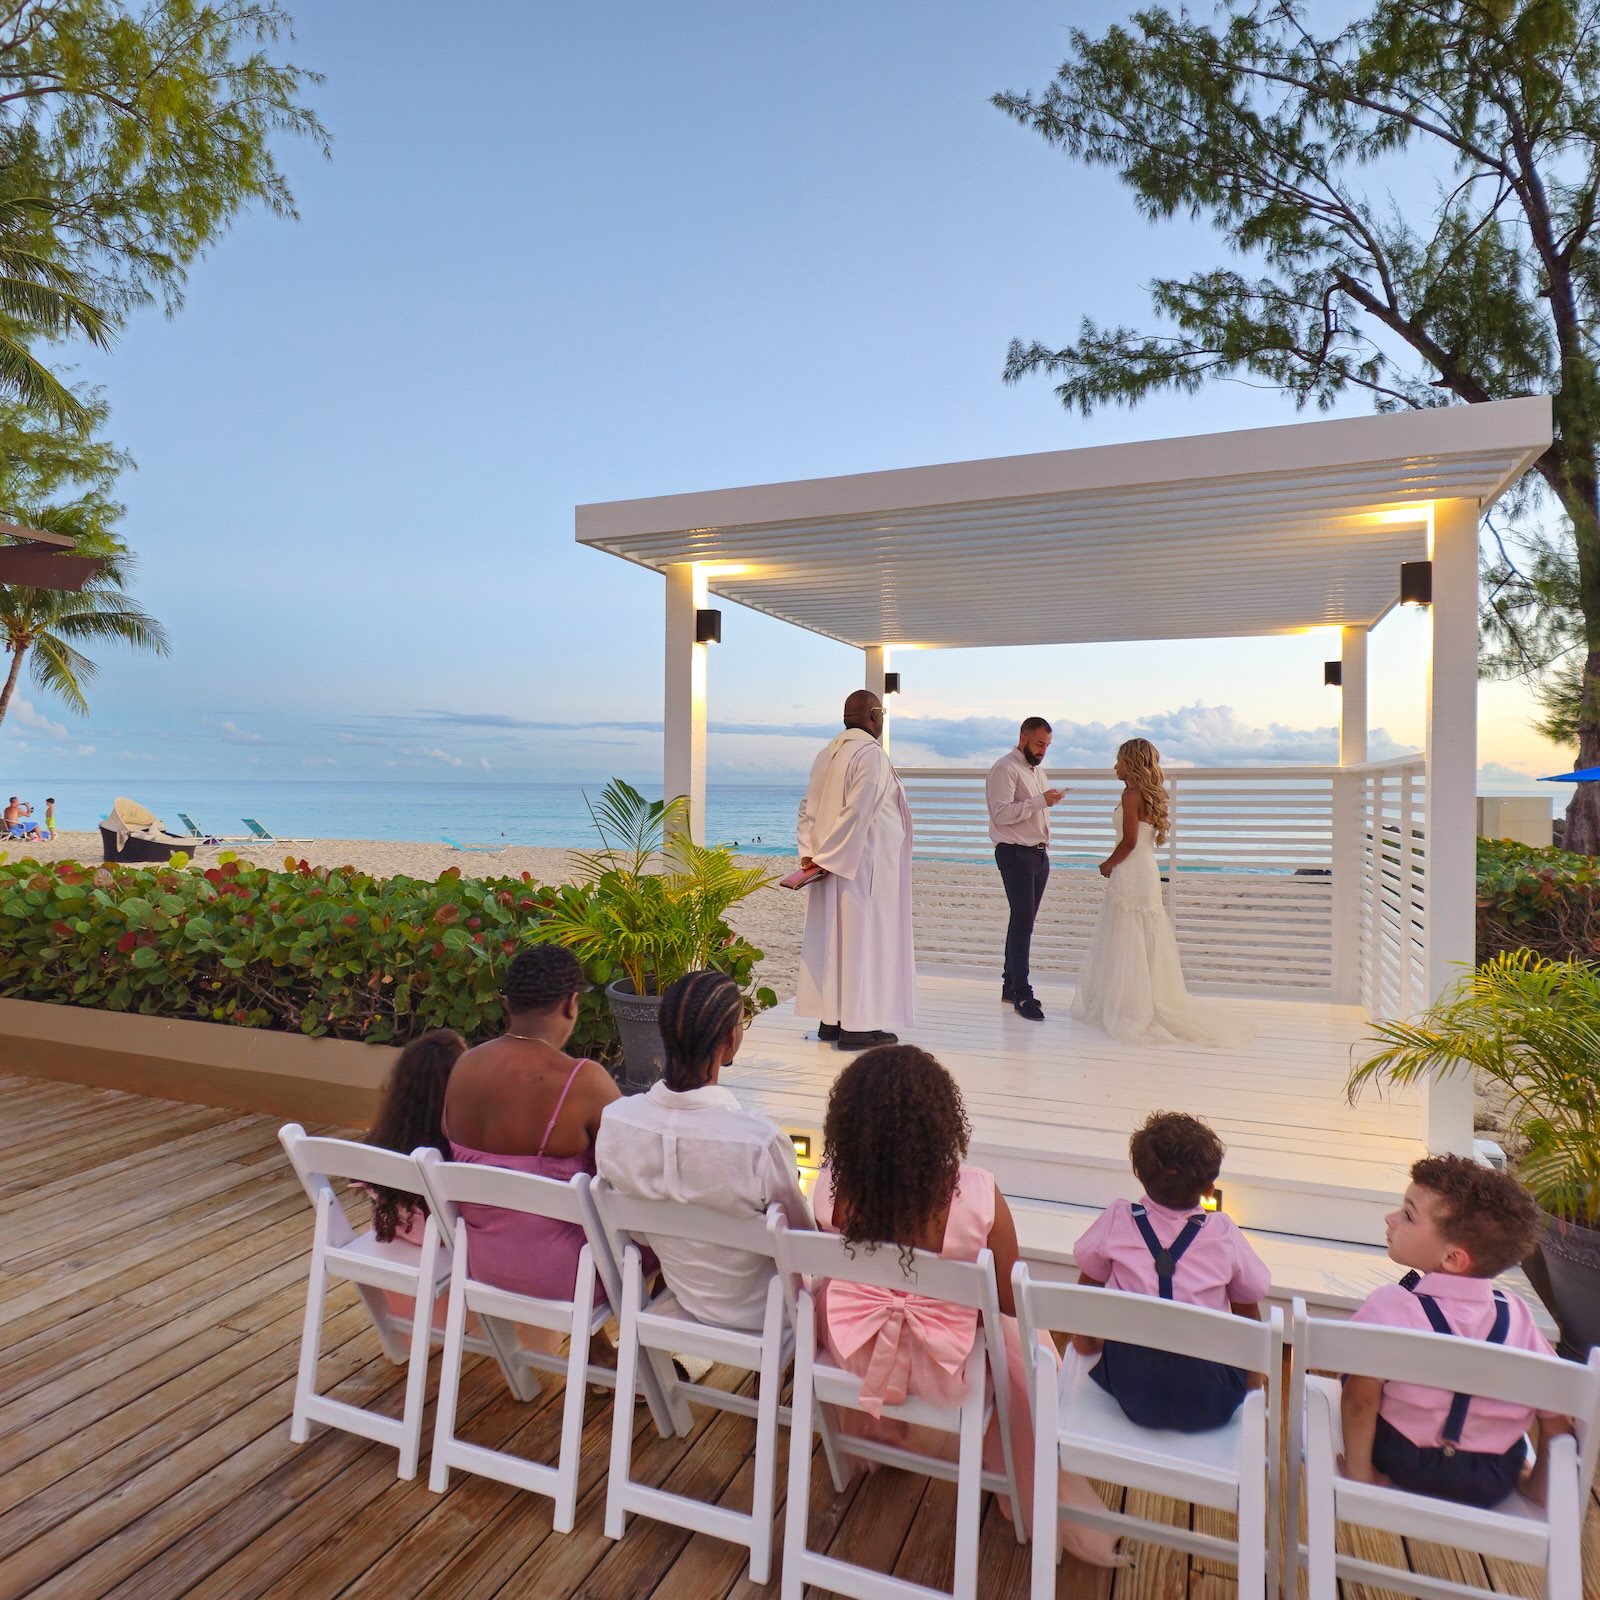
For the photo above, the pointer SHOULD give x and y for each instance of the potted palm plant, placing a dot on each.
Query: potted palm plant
(1531, 1025)
(651, 905)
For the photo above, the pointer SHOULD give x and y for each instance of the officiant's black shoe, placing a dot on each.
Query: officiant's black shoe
(1030, 1008)
(827, 1032)
(864, 1041)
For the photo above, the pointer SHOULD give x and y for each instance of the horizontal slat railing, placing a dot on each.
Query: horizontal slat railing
(1248, 868)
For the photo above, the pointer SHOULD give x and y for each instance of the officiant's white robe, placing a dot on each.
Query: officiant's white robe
(857, 966)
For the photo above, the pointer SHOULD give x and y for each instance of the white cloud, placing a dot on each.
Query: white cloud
(483, 761)
(83, 750)
(27, 717)
(321, 761)
(445, 757)
(232, 730)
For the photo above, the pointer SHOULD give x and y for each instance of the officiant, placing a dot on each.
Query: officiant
(1019, 828)
(857, 966)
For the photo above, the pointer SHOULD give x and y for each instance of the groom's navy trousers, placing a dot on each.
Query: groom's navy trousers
(1024, 870)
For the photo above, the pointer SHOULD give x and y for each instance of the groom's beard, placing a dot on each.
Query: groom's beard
(1031, 758)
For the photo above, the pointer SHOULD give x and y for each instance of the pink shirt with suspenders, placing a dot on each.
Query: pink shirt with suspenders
(1216, 1269)
(527, 1255)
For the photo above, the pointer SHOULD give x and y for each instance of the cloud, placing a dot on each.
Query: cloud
(445, 757)
(1504, 775)
(238, 735)
(321, 761)
(27, 717)
(483, 761)
(83, 750)
(362, 739)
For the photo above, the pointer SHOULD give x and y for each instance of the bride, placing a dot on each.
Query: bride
(1131, 983)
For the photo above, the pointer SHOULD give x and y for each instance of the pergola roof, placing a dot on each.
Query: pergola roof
(1267, 530)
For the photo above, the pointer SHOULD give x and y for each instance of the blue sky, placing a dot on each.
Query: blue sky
(574, 253)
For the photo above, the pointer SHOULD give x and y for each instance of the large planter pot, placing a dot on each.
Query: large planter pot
(1569, 1283)
(644, 1056)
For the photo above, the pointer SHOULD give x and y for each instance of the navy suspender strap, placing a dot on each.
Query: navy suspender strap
(1166, 1256)
(1456, 1420)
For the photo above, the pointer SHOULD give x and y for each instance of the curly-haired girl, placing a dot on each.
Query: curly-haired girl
(894, 1137)
(1131, 981)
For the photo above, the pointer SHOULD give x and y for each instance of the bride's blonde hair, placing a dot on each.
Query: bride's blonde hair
(1141, 766)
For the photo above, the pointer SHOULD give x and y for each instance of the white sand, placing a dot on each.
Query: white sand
(770, 919)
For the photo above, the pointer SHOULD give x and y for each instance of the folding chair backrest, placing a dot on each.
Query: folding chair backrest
(1141, 1319)
(457, 1183)
(318, 1161)
(1462, 1366)
(628, 1217)
(827, 1255)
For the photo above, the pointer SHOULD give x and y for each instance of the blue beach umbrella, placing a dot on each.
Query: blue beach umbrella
(1588, 775)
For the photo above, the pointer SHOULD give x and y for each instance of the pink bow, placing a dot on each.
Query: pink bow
(897, 1323)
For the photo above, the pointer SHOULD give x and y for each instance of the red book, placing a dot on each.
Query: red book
(799, 879)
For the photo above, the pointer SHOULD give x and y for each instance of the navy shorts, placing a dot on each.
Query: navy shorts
(1161, 1389)
(1469, 1477)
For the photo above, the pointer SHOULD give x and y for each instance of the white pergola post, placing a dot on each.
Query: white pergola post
(1347, 810)
(877, 665)
(1452, 787)
(683, 737)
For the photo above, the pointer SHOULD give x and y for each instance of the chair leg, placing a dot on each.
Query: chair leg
(305, 1384)
(1046, 1476)
(567, 1463)
(1252, 1499)
(1564, 1553)
(969, 1481)
(770, 1381)
(622, 1405)
(455, 1332)
(802, 1407)
(1321, 1513)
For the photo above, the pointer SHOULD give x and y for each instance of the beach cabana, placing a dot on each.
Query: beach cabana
(1323, 896)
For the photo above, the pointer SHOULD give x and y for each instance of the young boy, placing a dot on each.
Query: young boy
(1168, 1244)
(1459, 1225)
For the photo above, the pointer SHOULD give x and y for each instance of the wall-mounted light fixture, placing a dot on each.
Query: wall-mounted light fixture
(707, 626)
(1416, 583)
(1333, 674)
(891, 683)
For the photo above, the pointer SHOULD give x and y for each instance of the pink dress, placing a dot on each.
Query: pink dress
(511, 1250)
(920, 1346)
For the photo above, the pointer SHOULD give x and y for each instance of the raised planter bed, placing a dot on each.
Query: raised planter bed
(208, 1063)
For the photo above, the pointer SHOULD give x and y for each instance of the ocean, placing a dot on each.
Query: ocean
(758, 817)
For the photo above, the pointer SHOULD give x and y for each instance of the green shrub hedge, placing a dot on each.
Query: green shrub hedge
(306, 949)
(1544, 900)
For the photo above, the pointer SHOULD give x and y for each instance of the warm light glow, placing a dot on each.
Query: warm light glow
(1397, 516)
(723, 569)
(1212, 1201)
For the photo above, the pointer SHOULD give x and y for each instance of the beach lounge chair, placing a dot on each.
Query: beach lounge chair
(473, 849)
(197, 832)
(130, 833)
(258, 832)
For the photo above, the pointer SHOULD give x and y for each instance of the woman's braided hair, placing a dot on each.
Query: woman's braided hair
(893, 1138)
(411, 1114)
(697, 1013)
(541, 977)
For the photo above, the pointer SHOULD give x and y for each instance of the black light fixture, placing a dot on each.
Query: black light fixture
(1333, 674)
(1416, 583)
(707, 626)
(891, 683)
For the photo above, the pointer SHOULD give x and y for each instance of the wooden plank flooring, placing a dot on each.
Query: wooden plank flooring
(152, 1275)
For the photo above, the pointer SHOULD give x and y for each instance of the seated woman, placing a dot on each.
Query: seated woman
(410, 1114)
(520, 1101)
(893, 1141)
(688, 1139)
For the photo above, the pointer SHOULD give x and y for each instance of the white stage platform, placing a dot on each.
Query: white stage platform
(1052, 1104)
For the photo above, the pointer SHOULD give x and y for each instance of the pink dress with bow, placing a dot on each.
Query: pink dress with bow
(901, 1343)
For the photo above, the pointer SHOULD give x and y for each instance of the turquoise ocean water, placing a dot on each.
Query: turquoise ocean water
(759, 817)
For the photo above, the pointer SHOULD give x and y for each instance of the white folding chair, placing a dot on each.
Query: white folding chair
(398, 1267)
(1548, 1537)
(1076, 1423)
(807, 1259)
(657, 1330)
(451, 1184)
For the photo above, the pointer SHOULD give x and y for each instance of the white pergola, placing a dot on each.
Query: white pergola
(1262, 531)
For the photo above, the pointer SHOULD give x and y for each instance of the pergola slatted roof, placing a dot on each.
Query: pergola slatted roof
(1267, 530)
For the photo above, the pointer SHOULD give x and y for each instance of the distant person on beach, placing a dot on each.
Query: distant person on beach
(1019, 828)
(857, 966)
(19, 821)
(50, 817)
(520, 1101)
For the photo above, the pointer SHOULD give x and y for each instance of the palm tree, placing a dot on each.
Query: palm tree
(51, 624)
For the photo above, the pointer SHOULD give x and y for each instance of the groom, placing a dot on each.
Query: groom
(1019, 826)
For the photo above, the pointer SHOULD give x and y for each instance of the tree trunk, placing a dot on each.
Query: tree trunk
(1583, 811)
(17, 653)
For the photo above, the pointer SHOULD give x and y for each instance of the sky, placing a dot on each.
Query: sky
(564, 254)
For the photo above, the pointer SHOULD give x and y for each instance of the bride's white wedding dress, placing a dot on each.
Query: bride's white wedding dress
(1131, 982)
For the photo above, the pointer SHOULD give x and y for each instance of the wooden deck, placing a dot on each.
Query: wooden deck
(152, 1275)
